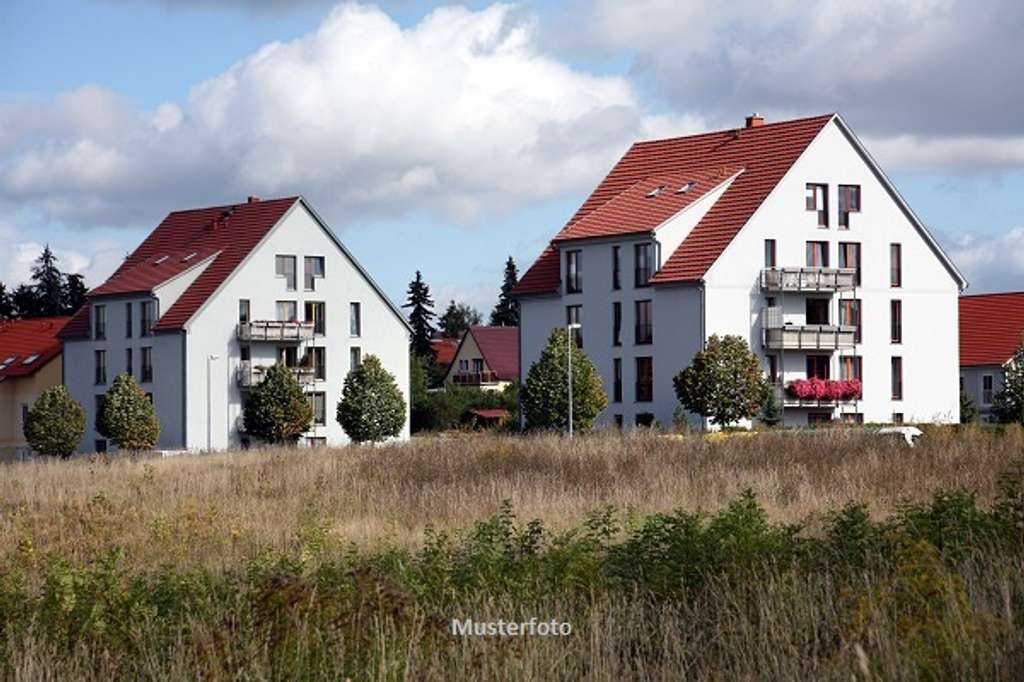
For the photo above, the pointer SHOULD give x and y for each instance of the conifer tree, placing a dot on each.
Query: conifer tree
(48, 282)
(421, 313)
(506, 312)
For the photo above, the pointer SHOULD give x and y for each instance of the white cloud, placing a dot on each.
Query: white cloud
(993, 262)
(461, 114)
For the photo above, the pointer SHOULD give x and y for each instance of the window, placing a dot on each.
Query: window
(478, 365)
(643, 262)
(98, 403)
(896, 321)
(850, 367)
(617, 380)
(313, 270)
(817, 201)
(819, 418)
(895, 265)
(817, 254)
(616, 324)
(149, 397)
(897, 378)
(818, 367)
(286, 311)
(574, 315)
(853, 418)
(128, 361)
(355, 319)
(100, 445)
(100, 358)
(644, 323)
(284, 266)
(773, 368)
(100, 323)
(849, 202)
(849, 315)
(243, 311)
(148, 316)
(573, 272)
(816, 310)
(897, 417)
(24, 415)
(355, 358)
(288, 356)
(616, 268)
(849, 257)
(318, 401)
(245, 351)
(147, 364)
(315, 313)
(316, 441)
(128, 324)
(645, 419)
(769, 253)
(618, 421)
(644, 379)
(987, 383)
(463, 365)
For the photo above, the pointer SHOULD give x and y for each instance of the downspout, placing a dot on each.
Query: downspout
(703, 334)
(184, 389)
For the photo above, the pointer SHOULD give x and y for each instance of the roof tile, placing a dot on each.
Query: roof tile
(991, 327)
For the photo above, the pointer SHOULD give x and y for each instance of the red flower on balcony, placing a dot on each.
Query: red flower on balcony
(824, 389)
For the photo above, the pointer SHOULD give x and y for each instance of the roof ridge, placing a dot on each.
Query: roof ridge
(721, 131)
(235, 205)
(994, 293)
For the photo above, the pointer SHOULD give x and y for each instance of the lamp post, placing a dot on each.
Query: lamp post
(568, 363)
(209, 402)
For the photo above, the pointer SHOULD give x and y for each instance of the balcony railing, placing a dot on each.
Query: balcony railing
(475, 378)
(275, 330)
(249, 374)
(787, 400)
(780, 335)
(812, 279)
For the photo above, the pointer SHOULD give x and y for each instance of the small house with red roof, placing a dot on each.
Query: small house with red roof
(487, 358)
(211, 299)
(991, 330)
(787, 234)
(30, 363)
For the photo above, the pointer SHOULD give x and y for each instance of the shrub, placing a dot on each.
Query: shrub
(55, 424)
(127, 416)
(372, 407)
(724, 382)
(277, 410)
(1008, 404)
(968, 410)
(545, 395)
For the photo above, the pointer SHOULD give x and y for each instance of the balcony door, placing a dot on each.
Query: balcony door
(817, 311)
(818, 366)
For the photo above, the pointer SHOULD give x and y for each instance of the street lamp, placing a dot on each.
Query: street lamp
(209, 401)
(568, 362)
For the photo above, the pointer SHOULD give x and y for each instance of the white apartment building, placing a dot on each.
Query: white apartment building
(212, 298)
(786, 234)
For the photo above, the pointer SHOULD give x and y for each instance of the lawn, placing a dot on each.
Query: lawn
(834, 554)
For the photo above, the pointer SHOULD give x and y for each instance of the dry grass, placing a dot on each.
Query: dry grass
(213, 511)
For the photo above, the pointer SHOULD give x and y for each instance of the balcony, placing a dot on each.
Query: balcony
(483, 378)
(249, 374)
(808, 279)
(834, 393)
(780, 335)
(275, 331)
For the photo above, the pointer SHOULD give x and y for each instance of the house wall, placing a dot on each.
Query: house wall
(16, 392)
(168, 381)
(930, 347)
(470, 351)
(213, 330)
(971, 378)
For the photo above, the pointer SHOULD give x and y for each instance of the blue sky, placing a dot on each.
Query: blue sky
(421, 132)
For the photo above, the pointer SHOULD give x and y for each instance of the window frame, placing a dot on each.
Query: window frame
(294, 307)
(852, 306)
(574, 315)
(987, 400)
(99, 328)
(845, 193)
(309, 278)
(816, 361)
(616, 323)
(129, 361)
(896, 321)
(244, 311)
(309, 314)
(147, 318)
(844, 257)
(811, 190)
(643, 331)
(896, 377)
(895, 265)
(643, 253)
(99, 367)
(616, 268)
(616, 380)
(355, 319)
(146, 369)
(574, 271)
(291, 279)
(770, 253)
(355, 359)
(648, 395)
(812, 253)
(129, 322)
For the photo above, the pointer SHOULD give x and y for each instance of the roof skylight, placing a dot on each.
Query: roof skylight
(9, 360)
(189, 257)
(655, 192)
(686, 187)
(30, 359)
(160, 260)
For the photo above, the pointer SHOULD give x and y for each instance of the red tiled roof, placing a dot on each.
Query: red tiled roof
(991, 327)
(490, 412)
(444, 350)
(22, 339)
(229, 233)
(764, 153)
(499, 347)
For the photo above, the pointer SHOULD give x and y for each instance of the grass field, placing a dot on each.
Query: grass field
(349, 563)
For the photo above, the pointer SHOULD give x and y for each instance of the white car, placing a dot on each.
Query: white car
(909, 433)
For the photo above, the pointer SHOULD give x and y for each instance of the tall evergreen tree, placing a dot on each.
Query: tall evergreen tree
(6, 303)
(74, 293)
(421, 313)
(506, 312)
(26, 302)
(48, 282)
(457, 319)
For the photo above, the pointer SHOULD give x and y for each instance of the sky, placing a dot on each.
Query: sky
(445, 138)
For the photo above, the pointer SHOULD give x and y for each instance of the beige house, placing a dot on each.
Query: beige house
(487, 358)
(30, 363)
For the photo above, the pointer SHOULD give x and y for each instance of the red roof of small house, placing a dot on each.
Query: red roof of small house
(27, 345)
(226, 233)
(764, 153)
(490, 412)
(444, 350)
(499, 347)
(991, 327)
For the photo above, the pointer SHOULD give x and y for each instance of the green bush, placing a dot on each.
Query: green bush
(277, 410)
(55, 423)
(372, 407)
(545, 395)
(127, 416)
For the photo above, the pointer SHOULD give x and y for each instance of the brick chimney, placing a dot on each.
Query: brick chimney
(755, 121)
(252, 199)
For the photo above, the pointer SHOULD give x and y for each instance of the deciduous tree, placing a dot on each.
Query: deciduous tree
(55, 423)
(128, 417)
(724, 382)
(545, 395)
(372, 407)
(277, 411)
